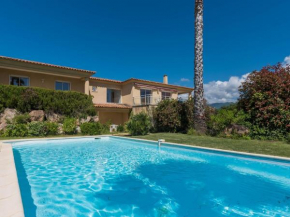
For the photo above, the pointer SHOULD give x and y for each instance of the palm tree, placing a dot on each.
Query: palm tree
(199, 111)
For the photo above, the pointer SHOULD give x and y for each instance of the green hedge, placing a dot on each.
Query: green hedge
(91, 128)
(139, 124)
(30, 129)
(25, 99)
(69, 126)
(174, 116)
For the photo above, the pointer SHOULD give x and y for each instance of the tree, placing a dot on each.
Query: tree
(199, 110)
(265, 97)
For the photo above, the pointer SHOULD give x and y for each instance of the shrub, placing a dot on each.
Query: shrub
(225, 117)
(21, 119)
(37, 129)
(192, 132)
(174, 116)
(25, 99)
(51, 128)
(288, 138)
(16, 130)
(91, 128)
(69, 126)
(120, 128)
(265, 98)
(106, 127)
(139, 124)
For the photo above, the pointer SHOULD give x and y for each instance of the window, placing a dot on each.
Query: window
(19, 81)
(145, 96)
(59, 85)
(113, 96)
(166, 95)
(94, 88)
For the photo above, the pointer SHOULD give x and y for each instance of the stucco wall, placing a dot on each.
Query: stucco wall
(127, 94)
(115, 117)
(42, 80)
(100, 96)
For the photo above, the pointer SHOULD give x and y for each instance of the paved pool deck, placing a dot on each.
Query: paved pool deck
(10, 197)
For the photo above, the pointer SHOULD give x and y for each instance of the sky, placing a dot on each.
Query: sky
(149, 38)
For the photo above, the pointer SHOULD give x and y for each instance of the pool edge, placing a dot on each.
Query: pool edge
(10, 197)
(273, 157)
(9, 186)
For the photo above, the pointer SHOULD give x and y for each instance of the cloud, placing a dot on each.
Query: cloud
(286, 61)
(184, 80)
(227, 91)
(223, 91)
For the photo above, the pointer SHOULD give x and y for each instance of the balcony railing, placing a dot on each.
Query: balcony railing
(147, 100)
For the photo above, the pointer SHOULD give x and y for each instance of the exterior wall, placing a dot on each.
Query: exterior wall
(127, 94)
(115, 116)
(174, 95)
(42, 80)
(100, 96)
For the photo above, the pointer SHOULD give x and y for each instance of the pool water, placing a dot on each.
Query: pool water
(122, 177)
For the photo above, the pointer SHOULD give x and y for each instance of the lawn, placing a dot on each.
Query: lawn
(250, 146)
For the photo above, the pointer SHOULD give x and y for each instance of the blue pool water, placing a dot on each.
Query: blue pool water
(121, 177)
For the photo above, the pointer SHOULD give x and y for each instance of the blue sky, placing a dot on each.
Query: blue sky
(148, 38)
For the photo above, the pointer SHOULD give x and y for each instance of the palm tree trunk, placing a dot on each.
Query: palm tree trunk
(199, 111)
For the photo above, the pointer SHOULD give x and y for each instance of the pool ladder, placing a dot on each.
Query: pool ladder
(160, 141)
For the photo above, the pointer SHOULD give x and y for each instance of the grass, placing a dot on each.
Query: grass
(275, 148)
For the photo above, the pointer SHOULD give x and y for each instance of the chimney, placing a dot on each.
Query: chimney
(165, 79)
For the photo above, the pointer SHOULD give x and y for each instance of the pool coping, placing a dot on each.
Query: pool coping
(10, 197)
(9, 186)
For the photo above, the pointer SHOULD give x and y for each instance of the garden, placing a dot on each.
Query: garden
(37, 112)
(259, 122)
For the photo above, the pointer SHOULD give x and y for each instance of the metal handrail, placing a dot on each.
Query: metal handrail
(148, 100)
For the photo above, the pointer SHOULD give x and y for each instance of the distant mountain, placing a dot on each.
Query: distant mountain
(219, 105)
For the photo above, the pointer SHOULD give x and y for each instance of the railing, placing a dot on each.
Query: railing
(148, 100)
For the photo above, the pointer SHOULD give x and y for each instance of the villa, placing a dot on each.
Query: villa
(114, 100)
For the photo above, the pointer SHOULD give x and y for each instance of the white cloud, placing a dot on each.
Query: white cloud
(184, 80)
(223, 91)
(286, 61)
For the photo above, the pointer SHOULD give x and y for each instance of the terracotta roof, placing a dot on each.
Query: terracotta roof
(105, 79)
(46, 64)
(158, 83)
(113, 105)
(141, 80)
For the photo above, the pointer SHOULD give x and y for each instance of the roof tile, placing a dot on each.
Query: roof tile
(113, 105)
(46, 64)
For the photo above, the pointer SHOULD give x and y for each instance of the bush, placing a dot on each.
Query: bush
(16, 130)
(37, 129)
(51, 128)
(192, 132)
(120, 128)
(91, 128)
(225, 117)
(288, 138)
(106, 127)
(265, 98)
(25, 99)
(69, 126)
(21, 119)
(263, 133)
(139, 124)
(174, 116)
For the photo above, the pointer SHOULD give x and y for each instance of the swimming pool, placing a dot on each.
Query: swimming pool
(121, 177)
